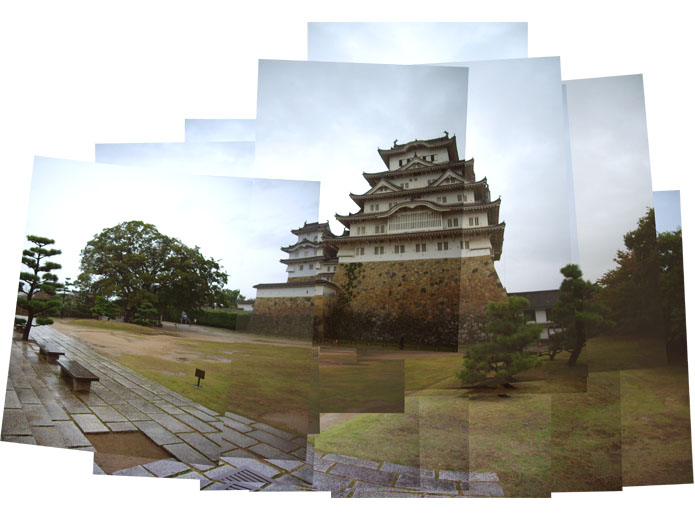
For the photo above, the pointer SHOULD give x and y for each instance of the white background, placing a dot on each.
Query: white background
(77, 73)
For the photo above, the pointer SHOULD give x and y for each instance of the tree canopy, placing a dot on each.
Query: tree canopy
(503, 355)
(137, 264)
(38, 285)
(577, 312)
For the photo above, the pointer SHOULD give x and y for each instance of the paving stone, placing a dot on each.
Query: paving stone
(135, 471)
(11, 400)
(238, 426)
(202, 444)
(485, 489)
(322, 464)
(170, 423)
(237, 438)
(219, 425)
(145, 406)
(91, 399)
(238, 418)
(484, 477)
(253, 464)
(381, 494)
(108, 414)
(169, 408)
(428, 485)
(287, 483)
(306, 473)
(272, 440)
(74, 405)
(196, 423)
(130, 412)
(270, 429)
(268, 452)
(109, 397)
(300, 454)
(36, 415)
(328, 482)
(166, 467)
(407, 470)
(72, 434)
(237, 453)
(14, 422)
(20, 439)
(343, 493)
(185, 453)
(48, 436)
(198, 413)
(361, 473)
(351, 460)
(121, 427)
(27, 396)
(289, 465)
(459, 476)
(220, 472)
(89, 423)
(156, 432)
(55, 411)
(205, 410)
(193, 475)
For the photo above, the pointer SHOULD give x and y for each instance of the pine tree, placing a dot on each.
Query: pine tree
(577, 312)
(38, 280)
(504, 355)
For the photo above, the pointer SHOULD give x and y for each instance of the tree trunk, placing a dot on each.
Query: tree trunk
(27, 327)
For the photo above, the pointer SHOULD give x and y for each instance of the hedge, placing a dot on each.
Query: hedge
(222, 319)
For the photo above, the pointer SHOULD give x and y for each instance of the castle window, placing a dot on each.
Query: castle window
(461, 197)
(415, 220)
(399, 249)
(432, 157)
(301, 268)
(442, 246)
(311, 266)
(379, 250)
(465, 244)
(452, 222)
(473, 221)
(400, 162)
(405, 185)
(441, 199)
(379, 228)
(420, 248)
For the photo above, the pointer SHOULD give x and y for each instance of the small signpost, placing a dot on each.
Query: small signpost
(200, 374)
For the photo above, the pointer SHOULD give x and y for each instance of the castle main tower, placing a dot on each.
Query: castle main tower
(418, 256)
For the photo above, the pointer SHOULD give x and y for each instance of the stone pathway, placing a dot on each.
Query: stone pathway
(222, 451)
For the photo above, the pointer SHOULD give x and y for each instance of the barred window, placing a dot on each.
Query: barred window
(416, 220)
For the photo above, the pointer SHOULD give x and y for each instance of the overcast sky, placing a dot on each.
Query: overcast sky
(206, 158)
(418, 42)
(233, 220)
(217, 130)
(667, 210)
(610, 165)
(324, 121)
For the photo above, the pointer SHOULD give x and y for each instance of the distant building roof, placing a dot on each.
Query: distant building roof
(540, 299)
(449, 142)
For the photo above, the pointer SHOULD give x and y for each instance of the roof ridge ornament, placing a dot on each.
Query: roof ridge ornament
(446, 134)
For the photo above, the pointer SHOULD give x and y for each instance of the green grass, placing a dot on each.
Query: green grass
(254, 380)
(113, 325)
(561, 429)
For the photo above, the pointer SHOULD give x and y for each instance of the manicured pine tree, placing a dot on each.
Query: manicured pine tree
(38, 279)
(503, 356)
(577, 312)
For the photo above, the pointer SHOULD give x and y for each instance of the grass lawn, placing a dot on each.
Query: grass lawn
(265, 382)
(115, 326)
(560, 429)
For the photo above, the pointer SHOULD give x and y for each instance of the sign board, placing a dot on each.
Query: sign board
(200, 373)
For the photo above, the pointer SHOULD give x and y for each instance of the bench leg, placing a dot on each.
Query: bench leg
(52, 359)
(80, 386)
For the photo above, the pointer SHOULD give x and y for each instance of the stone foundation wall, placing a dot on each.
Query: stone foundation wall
(428, 300)
(283, 316)
(300, 317)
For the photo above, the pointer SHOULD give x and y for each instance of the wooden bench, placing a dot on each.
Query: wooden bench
(51, 352)
(80, 377)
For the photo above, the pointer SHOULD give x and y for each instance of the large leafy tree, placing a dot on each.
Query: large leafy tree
(137, 265)
(38, 285)
(672, 287)
(577, 312)
(503, 356)
(631, 290)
